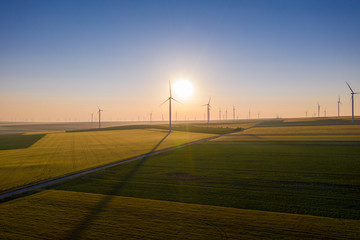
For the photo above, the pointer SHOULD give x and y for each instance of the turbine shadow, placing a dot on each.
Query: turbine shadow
(91, 217)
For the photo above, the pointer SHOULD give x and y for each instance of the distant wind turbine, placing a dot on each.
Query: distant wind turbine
(352, 100)
(339, 102)
(233, 112)
(208, 110)
(219, 113)
(169, 99)
(99, 111)
(318, 110)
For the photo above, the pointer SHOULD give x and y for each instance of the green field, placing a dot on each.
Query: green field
(71, 215)
(268, 182)
(57, 154)
(315, 179)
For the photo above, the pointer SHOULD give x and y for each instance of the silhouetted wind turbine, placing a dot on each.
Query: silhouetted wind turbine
(352, 100)
(169, 99)
(339, 102)
(318, 110)
(233, 112)
(208, 110)
(219, 113)
(99, 111)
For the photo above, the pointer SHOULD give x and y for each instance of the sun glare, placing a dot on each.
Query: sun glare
(183, 89)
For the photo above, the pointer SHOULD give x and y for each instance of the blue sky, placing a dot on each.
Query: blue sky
(59, 59)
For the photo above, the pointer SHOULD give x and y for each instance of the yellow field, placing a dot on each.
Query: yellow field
(298, 133)
(62, 153)
(309, 119)
(57, 214)
(329, 129)
(233, 125)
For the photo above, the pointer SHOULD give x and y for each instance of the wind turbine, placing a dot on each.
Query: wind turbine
(208, 110)
(233, 112)
(169, 99)
(219, 113)
(99, 111)
(352, 100)
(339, 102)
(318, 110)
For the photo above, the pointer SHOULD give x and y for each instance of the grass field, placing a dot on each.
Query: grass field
(56, 154)
(71, 215)
(301, 177)
(271, 182)
(310, 134)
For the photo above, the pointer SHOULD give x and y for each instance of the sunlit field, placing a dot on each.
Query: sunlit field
(72, 215)
(267, 182)
(298, 133)
(57, 154)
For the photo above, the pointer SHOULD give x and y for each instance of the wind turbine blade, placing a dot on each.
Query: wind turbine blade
(209, 100)
(176, 100)
(203, 105)
(349, 87)
(164, 102)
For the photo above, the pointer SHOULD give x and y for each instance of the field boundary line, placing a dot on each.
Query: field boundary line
(17, 192)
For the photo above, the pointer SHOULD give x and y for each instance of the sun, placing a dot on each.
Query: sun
(183, 89)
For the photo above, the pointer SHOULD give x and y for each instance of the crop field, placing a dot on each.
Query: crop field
(268, 182)
(314, 179)
(31, 158)
(298, 133)
(72, 215)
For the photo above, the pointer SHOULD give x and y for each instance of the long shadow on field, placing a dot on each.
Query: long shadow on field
(89, 219)
(18, 141)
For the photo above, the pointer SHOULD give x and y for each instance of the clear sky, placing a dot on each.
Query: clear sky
(60, 59)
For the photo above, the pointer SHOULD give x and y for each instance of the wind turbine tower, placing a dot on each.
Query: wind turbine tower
(318, 110)
(219, 113)
(99, 111)
(233, 112)
(169, 99)
(352, 101)
(208, 110)
(339, 102)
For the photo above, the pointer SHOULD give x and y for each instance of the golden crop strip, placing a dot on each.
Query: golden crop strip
(55, 214)
(58, 154)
